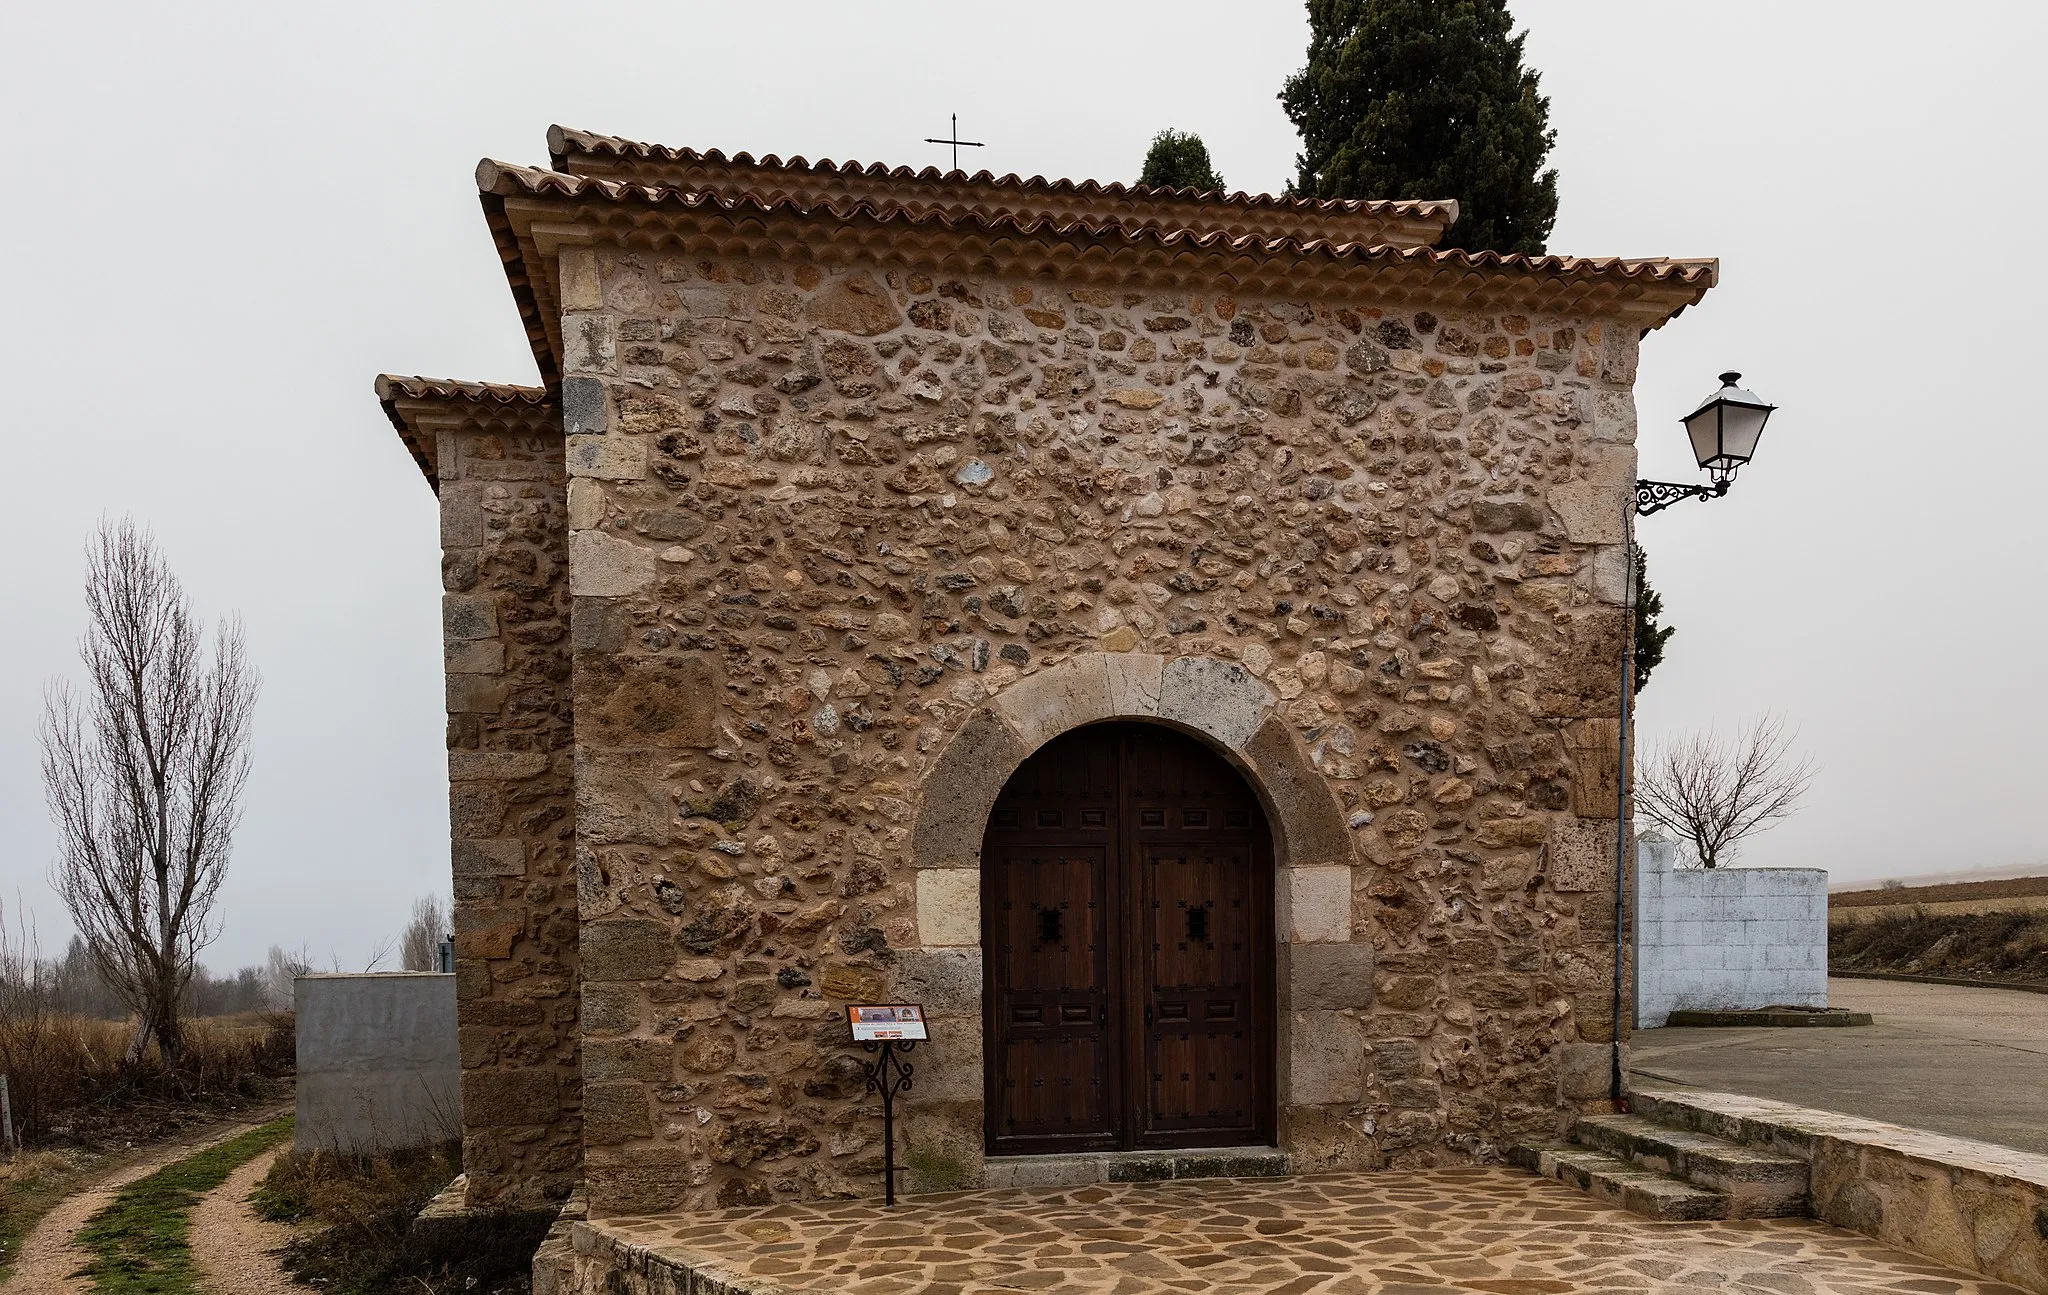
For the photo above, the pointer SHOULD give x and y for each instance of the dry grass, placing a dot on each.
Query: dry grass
(30, 1185)
(1963, 907)
(1947, 892)
(363, 1241)
(69, 1078)
(75, 1095)
(1993, 946)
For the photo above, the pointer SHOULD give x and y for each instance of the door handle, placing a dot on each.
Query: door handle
(1148, 1014)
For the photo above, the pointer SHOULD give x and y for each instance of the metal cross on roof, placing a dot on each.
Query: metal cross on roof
(957, 142)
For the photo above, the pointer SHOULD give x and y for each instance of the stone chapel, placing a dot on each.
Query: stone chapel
(1173, 637)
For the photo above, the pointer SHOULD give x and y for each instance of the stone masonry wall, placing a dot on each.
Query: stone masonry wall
(511, 812)
(822, 520)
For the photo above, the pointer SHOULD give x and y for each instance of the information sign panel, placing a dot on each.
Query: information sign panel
(887, 1022)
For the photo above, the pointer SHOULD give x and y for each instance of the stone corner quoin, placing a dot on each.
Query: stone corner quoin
(832, 549)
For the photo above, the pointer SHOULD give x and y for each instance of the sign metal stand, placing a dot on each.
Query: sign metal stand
(889, 1030)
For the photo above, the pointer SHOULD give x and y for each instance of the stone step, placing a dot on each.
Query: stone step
(1618, 1182)
(1758, 1183)
(1674, 1109)
(1079, 1168)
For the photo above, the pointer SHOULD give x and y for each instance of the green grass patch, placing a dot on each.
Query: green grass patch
(138, 1244)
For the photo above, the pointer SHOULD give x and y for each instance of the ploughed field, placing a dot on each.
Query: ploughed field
(1971, 930)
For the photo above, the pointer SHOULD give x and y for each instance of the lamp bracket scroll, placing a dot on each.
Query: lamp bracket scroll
(1656, 496)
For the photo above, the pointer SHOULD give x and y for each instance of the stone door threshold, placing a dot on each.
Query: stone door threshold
(1081, 1168)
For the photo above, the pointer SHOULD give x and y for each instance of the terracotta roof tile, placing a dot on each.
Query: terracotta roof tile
(392, 386)
(505, 179)
(420, 407)
(1403, 222)
(516, 198)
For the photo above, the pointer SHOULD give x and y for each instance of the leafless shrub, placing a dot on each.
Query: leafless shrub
(143, 773)
(356, 1212)
(419, 949)
(1713, 793)
(39, 1049)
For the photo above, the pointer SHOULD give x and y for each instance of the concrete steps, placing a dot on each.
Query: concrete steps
(1671, 1173)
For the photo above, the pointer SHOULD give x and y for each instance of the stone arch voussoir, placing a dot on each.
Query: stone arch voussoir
(1218, 700)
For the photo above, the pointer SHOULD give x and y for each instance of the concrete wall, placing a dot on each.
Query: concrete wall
(378, 1062)
(1730, 938)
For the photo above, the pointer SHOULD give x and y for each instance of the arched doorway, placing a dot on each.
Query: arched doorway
(1127, 933)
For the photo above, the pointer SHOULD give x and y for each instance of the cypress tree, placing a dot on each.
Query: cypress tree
(1650, 635)
(1426, 99)
(1179, 160)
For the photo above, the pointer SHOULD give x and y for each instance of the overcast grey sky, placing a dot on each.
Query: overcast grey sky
(223, 219)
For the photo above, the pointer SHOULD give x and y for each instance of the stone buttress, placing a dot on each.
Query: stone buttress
(494, 457)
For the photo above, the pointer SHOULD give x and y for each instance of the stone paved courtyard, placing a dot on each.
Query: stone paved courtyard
(1479, 1229)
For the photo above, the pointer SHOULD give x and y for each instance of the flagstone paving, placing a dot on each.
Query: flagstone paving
(1496, 1230)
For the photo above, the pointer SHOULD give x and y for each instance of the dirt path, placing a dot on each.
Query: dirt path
(233, 1248)
(48, 1258)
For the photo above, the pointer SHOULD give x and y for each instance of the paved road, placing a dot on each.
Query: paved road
(1970, 1062)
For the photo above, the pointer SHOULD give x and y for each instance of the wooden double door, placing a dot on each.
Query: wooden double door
(1127, 936)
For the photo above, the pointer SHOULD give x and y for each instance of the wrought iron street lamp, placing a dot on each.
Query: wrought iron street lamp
(1724, 431)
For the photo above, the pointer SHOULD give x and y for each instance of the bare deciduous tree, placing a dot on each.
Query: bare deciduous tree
(1713, 793)
(419, 949)
(143, 771)
(283, 968)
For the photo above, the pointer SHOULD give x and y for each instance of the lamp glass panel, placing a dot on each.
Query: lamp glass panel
(1703, 426)
(1741, 425)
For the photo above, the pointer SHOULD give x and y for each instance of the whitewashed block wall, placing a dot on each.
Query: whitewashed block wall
(1727, 939)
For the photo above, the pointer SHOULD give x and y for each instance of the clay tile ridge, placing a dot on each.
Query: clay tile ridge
(407, 399)
(506, 180)
(566, 144)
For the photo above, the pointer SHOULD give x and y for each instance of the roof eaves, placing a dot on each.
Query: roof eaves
(405, 398)
(415, 444)
(1679, 282)
(519, 277)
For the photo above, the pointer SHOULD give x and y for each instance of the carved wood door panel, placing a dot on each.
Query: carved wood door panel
(1127, 940)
